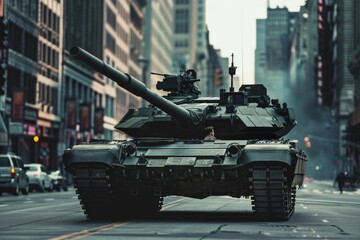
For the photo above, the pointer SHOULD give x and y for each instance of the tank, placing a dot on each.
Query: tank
(168, 152)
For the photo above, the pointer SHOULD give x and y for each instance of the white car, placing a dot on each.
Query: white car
(39, 178)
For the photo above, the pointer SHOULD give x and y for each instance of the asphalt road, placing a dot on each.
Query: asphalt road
(321, 213)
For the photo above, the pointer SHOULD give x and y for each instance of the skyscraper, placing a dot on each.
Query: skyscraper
(158, 41)
(111, 30)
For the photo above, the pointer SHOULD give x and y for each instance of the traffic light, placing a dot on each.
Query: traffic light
(218, 77)
(307, 142)
(36, 138)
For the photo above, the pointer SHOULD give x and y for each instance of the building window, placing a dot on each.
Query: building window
(110, 42)
(109, 106)
(111, 18)
(182, 2)
(30, 86)
(30, 42)
(182, 21)
(15, 37)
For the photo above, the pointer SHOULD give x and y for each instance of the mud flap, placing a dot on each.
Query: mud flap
(300, 168)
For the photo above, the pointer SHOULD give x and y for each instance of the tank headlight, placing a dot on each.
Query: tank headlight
(130, 150)
(233, 149)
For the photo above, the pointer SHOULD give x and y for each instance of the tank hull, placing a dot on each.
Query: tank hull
(117, 178)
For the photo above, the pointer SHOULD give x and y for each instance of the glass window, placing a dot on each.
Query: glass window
(15, 162)
(4, 162)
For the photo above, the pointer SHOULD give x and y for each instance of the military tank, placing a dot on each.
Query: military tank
(167, 154)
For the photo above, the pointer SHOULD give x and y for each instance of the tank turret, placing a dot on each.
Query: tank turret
(244, 114)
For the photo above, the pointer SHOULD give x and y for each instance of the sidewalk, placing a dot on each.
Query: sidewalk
(324, 183)
(330, 184)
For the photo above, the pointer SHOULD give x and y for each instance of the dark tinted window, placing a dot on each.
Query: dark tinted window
(15, 162)
(20, 162)
(31, 168)
(4, 162)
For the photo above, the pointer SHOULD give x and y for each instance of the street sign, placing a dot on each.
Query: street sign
(16, 128)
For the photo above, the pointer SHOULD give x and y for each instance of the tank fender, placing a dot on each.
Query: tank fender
(92, 154)
(256, 153)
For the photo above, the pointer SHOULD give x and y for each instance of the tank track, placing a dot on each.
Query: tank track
(273, 197)
(99, 198)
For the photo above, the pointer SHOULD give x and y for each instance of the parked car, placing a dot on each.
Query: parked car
(39, 178)
(13, 178)
(59, 181)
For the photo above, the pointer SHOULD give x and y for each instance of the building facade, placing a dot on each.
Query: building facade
(352, 134)
(260, 52)
(191, 42)
(277, 32)
(22, 104)
(113, 34)
(158, 39)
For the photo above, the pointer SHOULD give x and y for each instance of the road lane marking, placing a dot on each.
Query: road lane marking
(39, 208)
(324, 220)
(49, 199)
(108, 227)
(171, 204)
(3, 205)
(167, 207)
(100, 230)
(89, 232)
(326, 201)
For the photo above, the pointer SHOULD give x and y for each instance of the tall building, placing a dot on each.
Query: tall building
(201, 50)
(277, 45)
(157, 42)
(277, 39)
(190, 40)
(111, 30)
(343, 36)
(303, 79)
(185, 34)
(299, 53)
(22, 105)
(136, 41)
(3, 77)
(34, 79)
(260, 52)
(323, 61)
(353, 126)
(49, 80)
(84, 90)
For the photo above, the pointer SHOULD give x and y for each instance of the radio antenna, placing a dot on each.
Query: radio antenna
(232, 71)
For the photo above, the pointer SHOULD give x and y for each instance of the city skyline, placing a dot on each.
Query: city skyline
(231, 39)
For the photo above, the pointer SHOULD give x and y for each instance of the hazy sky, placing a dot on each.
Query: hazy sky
(232, 26)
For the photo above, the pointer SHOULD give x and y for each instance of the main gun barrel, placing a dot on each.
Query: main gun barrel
(132, 85)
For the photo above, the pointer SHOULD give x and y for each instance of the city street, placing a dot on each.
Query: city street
(131, 101)
(321, 212)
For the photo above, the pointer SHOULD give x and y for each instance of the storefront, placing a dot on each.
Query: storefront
(22, 120)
